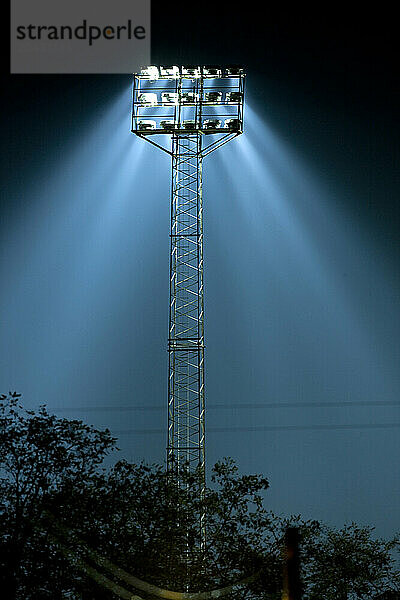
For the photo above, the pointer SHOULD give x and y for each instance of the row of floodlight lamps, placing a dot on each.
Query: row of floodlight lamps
(207, 125)
(173, 98)
(153, 73)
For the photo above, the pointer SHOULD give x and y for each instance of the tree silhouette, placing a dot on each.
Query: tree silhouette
(72, 528)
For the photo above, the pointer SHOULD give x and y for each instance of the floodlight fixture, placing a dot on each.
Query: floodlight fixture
(213, 97)
(169, 72)
(169, 98)
(212, 72)
(234, 71)
(191, 72)
(211, 124)
(168, 124)
(189, 97)
(146, 125)
(231, 124)
(148, 99)
(189, 124)
(150, 73)
(233, 97)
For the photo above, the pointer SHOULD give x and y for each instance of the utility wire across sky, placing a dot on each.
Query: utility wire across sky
(345, 426)
(242, 405)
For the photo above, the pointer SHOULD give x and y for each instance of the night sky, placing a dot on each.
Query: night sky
(301, 257)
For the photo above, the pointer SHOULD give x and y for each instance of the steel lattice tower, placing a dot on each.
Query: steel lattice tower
(186, 106)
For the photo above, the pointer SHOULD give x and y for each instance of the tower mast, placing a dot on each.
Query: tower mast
(187, 112)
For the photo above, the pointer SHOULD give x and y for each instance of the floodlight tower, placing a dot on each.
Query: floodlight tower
(187, 112)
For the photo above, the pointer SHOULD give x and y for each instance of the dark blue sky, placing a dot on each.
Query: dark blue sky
(301, 271)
